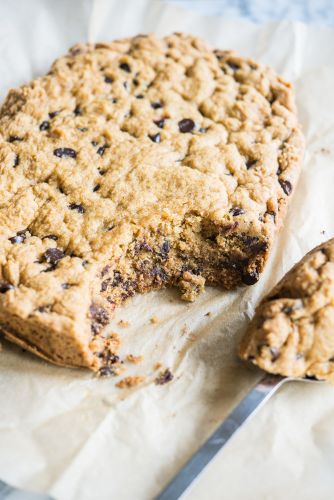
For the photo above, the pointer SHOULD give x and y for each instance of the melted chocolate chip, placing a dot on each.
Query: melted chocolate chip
(53, 114)
(105, 284)
(233, 65)
(108, 79)
(106, 371)
(142, 246)
(186, 125)
(66, 286)
(100, 317)
(78, 207)
(44, 125)
(164, 249)
(19, 238)
(5, 286)
(51, 237)
(155, 137)
(156, 105)
(139, 96)
(96, 188)
(101, 150)
(160, 123)
(125, 67)
(65, 153)
(235, 211)
(117, 278)
(274, 351)
(77, 111)
(53, 255)
(250, 278)
(286, 186)
(16, 161)
(250, 163)
(164, 377)
(94, 143)
(14, 138)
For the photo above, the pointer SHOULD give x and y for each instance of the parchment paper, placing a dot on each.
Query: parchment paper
(77, 437)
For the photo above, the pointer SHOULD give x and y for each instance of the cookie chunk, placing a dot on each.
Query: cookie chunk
(136, 165)
(292, 332)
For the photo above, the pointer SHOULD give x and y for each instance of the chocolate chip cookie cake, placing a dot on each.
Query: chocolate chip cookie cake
(292, 332)
(136, 165)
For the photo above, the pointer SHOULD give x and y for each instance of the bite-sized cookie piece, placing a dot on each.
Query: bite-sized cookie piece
(292, 332)
(131, 166)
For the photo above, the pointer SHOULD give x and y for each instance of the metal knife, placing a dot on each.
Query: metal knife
(263, 390)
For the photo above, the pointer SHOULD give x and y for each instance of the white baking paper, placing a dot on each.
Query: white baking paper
(77, 437)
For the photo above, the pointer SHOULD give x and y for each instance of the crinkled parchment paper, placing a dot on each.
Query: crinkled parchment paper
(78, 437)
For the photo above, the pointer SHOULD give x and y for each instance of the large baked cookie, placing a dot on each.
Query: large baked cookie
(132, 165)
(292, 332)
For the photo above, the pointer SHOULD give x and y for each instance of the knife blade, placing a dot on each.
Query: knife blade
(257, 396)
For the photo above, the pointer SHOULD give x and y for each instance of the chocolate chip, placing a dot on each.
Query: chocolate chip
(100, 317)
(125, 67)
(77, 111)
(142, 245)
(16, 161)
(5, 286)
(51, 237)
(250, 163)
(101, 150)
(117, 279)
(53, 114)
(83, 129)
(235, 211)
(14, 138)
(155, 137)
(250, 278)
(105, 371)
(65, 153)
(286, 186)
(105, 284)
(186, 125)
(233, 65)
(139, 96)
(105, 270)
(44, 125)
(164, 249)
(78, 207)
(159, 274)
(66, 286)
(111, 358)
(96, 188)
(160, 123)
(164, 377)
(156, 104)
(274, 351)
(202, 130)
(94, 143)
(53, 255)
(125, 85)
(19, 238)
(108, 79)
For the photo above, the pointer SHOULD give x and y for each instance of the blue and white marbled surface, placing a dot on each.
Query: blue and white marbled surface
(259, 11)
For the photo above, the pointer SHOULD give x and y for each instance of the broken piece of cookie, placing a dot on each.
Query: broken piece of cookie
(292, 332)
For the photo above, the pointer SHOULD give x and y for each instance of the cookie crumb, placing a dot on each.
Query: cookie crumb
(131, 381)
(154, 320)
(134, 359)
(164, 377)
(325, 151)
(157, 366)
(184, 330)
(123, 323)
